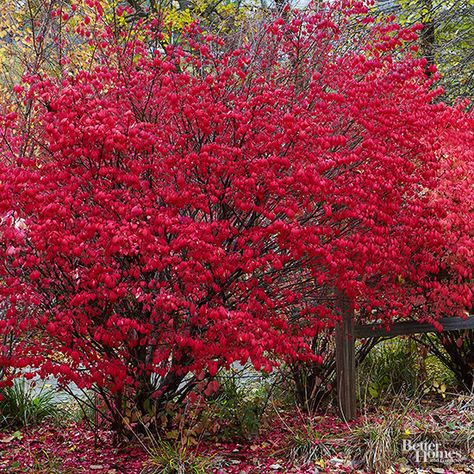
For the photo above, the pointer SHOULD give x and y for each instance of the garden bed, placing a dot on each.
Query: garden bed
(294, 443)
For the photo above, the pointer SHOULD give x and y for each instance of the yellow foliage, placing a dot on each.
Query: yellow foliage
(38, 36)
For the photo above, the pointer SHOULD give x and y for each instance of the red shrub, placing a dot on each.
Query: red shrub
(184, 211)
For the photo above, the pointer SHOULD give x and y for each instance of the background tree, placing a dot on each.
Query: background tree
(446, 40)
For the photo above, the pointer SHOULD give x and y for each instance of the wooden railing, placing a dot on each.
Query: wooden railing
(346, 334)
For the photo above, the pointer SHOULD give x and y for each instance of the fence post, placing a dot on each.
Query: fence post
(345, 359)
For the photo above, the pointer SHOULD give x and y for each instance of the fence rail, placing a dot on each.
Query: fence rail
(346, 334)
(406, 328)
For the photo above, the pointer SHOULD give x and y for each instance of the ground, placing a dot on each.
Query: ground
(294, 443)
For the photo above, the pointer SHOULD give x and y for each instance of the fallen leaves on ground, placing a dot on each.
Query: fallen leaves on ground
(49, 449)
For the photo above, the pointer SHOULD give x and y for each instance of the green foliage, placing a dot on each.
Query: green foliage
(240, 404)
(391, 368)
(453, 356)
(439, 378)
(401, 366)
(22, 406)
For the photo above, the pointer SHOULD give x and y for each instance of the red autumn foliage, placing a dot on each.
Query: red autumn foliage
(177, 212)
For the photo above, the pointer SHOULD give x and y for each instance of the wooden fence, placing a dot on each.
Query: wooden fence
(346, 334)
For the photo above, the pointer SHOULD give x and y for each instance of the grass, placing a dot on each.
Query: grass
(377, 444)
(22, 406)
(307, 445)
(169, 457)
